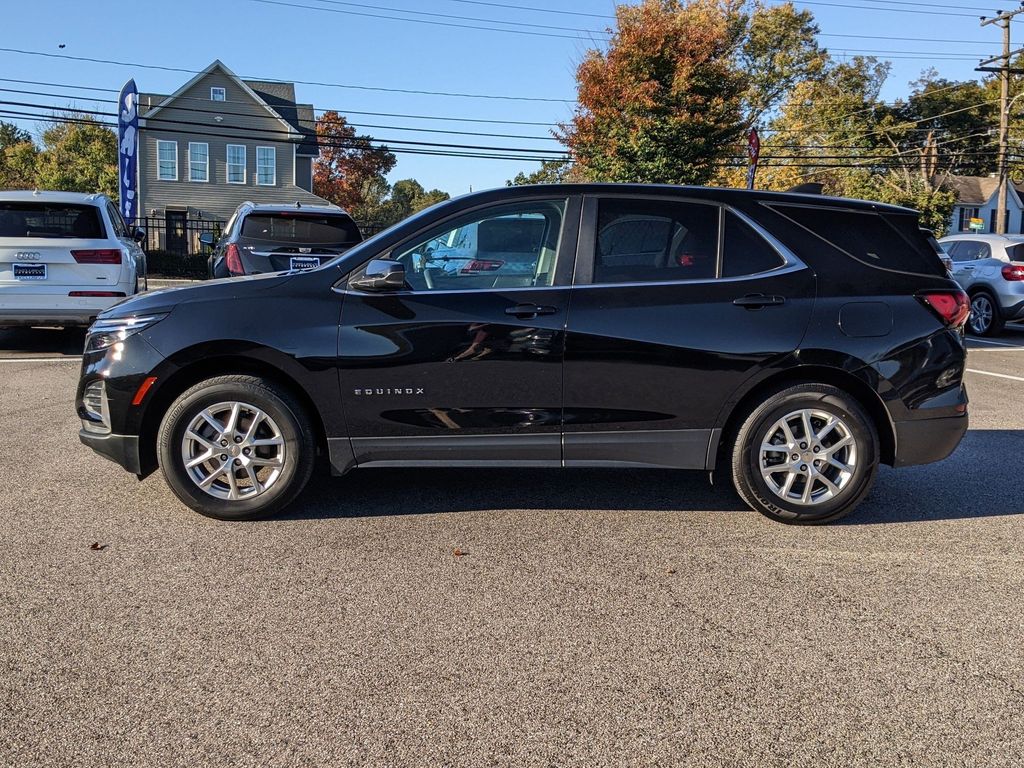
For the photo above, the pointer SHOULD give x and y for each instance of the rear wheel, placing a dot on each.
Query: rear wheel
(236, 447)
(986, 319)
(807, 454)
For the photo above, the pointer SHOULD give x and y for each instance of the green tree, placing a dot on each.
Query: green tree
(17, 158)
(78, 157)
(550, 172)
(387, 204)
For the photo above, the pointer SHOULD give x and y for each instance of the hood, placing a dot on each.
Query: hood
(166, 299)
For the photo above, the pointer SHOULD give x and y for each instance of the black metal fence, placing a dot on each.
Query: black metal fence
(173, 248)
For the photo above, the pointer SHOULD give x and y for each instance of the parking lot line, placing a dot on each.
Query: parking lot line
(996, 343)
(997, 375)
(41, 359)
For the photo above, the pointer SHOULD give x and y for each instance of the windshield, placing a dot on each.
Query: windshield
(61, 220)
(301, 228)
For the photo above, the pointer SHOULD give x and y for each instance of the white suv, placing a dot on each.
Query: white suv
(64, 258)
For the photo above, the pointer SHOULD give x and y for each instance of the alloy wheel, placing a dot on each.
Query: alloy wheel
(233, 451)
(982, 312)
(808, 457)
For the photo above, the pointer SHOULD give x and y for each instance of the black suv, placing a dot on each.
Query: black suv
(790, 341)
(276, 238)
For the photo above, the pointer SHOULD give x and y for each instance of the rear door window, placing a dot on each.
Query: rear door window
(971, 250)
(655, 240)
(50, 220)
(892, 241)
(288, 228)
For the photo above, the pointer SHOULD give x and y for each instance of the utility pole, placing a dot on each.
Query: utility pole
(1002, 19)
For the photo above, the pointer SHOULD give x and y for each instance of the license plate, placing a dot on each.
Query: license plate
(305, 262)
(29, 271)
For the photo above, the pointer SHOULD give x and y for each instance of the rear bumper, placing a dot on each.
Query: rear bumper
(923, 441)
(30, 317)
(120, 449)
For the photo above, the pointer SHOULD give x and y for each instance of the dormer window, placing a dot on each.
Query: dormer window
(217, 94)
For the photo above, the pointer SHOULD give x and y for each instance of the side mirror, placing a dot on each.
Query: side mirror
(139, 235)
(207, 239)
(381, 275)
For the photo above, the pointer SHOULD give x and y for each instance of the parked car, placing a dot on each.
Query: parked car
(792, 342)
(64, 258)
(275, 238)
(991, 269)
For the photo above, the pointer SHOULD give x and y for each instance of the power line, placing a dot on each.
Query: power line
(219, 112)
(444, 118)
(433, 14)
(162, 68)
(416, 21)
(533, 8)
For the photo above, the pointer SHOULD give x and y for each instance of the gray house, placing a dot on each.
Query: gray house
(217, 142)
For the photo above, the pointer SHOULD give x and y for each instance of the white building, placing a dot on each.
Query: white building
(977, 198)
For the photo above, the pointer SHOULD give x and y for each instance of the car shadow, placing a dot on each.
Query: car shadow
(976, 482)
(50, 341)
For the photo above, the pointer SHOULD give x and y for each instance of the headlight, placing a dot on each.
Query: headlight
(106, 333)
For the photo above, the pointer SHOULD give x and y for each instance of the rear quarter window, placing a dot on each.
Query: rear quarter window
(892, 241)
(1015, 252)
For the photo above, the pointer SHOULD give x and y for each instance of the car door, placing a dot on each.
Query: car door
(966, 254)
(463, 366)
(676, 304)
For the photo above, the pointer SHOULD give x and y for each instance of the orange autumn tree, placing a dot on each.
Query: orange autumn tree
(664, 103)
(348, 164)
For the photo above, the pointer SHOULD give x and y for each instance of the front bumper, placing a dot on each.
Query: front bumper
(120, 449)
(923, 441)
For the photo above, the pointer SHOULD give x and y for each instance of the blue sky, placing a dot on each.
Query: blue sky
(271, 39)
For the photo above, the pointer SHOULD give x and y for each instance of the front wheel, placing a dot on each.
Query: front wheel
(236, 447)
(808, 454)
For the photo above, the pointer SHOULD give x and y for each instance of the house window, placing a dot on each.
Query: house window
(992, 220)
(217, 94)
(198, 161)
(966, 214)
(236, 164)
(266, 166)
(167, 160)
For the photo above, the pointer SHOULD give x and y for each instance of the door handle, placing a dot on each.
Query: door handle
(759, 300)
(529, 310)
(967, 269)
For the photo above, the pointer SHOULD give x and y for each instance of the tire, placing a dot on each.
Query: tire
(986, 318)
(280, 450)
(823, 504)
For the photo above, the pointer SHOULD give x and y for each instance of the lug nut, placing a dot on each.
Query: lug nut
(803, 467)
(223, 457)
(238, 439)
(796, 456)
(803, 446)
(817, 448)
(224, 443)
(238, 462)
(246, 451)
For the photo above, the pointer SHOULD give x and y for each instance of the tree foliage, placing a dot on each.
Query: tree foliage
(348, 165)
(17, 158)
(388, 204)
(78, 157)
(664, 102)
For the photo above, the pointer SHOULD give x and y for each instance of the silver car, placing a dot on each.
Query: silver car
(991, 269)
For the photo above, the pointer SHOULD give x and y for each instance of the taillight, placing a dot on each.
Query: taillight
(952, 307)
(233, 259)
(1013, 272)
(100, 256)
(482, 265)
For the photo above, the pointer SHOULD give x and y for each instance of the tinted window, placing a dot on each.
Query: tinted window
(891, 241)
(116, 221)
(654, 240)
(1015, 252)
(301, 228)
(744, 252)
(508, 246)
(971, 250)
(50, 220)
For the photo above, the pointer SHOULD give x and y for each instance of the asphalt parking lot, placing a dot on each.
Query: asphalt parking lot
(593, 618)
